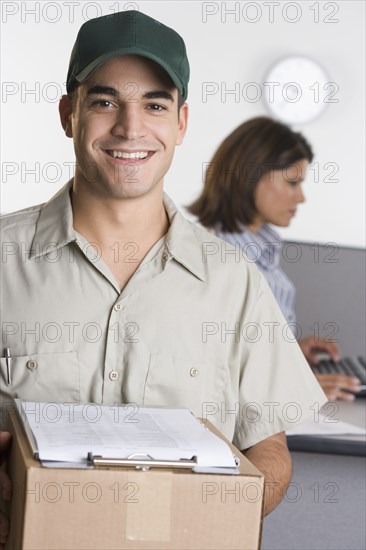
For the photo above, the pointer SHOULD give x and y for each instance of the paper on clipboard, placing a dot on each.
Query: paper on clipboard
(64, 434)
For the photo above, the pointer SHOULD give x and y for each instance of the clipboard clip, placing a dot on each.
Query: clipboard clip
(142, 462)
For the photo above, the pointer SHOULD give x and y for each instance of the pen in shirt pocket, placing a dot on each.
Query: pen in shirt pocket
(8, 364)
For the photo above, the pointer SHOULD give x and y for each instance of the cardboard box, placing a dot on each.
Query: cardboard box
(110, 508)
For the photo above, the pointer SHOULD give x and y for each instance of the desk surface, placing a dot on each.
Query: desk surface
(351, 412)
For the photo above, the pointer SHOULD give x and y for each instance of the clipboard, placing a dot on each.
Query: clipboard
(136, 460)
(27, 430)
(141, 462)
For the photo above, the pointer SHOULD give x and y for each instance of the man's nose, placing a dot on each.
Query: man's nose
(129, 123)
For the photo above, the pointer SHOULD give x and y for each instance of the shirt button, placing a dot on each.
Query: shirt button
(113, 375)
(193, 372)
(165, 257)
(118, 307)
(31, 364)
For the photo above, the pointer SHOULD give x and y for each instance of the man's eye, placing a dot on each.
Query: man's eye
(156, 107)
(101, 103)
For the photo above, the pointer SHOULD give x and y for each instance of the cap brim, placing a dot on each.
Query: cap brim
(89, 69)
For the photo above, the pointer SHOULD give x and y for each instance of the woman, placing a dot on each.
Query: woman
(253, 180)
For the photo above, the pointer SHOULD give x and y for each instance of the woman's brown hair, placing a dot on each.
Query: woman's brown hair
(253, 149)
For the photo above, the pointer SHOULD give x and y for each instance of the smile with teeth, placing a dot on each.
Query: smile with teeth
(125, 155)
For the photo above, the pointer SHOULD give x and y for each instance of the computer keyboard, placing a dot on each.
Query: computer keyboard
(352, 366)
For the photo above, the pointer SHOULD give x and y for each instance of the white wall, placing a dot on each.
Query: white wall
(224, 50)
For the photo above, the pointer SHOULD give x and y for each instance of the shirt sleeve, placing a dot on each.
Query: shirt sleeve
(277, 388)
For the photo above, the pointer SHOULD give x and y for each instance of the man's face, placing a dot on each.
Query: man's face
(125, 127)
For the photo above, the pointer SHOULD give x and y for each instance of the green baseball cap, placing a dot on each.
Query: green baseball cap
(123, 33)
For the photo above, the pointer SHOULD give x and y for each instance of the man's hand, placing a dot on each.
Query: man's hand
(333, 385)
(311, 347)
(271, 456)
(5, 486)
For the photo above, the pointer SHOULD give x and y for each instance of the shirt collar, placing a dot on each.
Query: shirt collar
(182, 240)
(54, 230)
(263, 247)
(270, 244)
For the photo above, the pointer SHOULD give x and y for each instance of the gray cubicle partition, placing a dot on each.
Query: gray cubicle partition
(330, 299)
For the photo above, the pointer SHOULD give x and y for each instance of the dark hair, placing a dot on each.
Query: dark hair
(243, 158)
(181, 101)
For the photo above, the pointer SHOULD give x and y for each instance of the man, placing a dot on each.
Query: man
(119, 298)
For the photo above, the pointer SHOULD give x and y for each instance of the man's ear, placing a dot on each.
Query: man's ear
(65, 110)
(182, 124)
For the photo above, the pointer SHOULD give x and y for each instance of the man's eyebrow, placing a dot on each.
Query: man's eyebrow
(102, 90)
(159, 94)
(98, 89)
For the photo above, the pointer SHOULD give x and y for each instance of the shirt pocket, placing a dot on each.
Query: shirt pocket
(174, 382)
(47, 377)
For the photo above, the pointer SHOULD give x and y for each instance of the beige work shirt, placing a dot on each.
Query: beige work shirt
(196, 326)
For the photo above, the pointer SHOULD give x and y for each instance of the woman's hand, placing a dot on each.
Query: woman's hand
(335, 386)
(311, 347)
